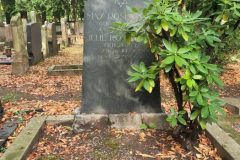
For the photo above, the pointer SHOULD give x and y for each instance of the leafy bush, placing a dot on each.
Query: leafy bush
(186, 38)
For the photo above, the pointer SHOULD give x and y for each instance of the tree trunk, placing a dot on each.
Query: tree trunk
(24, 14)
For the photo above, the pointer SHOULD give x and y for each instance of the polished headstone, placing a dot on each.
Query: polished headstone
(34, 43)
(107, 59)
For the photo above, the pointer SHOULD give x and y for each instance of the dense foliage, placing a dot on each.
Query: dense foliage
(187, 38)
(46, 9)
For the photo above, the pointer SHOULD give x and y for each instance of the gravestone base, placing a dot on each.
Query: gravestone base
(120, 121)
(20, 65)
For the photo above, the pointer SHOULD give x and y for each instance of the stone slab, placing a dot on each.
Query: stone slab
(25, 140)
(59, 119)
(97, 121)
(125, 121)
(58, 70)
(227, 147)
(157, 119)
(107, 59)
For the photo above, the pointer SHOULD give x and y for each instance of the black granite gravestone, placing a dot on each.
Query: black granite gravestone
(34, 43)
(107, 59)
(52, 39)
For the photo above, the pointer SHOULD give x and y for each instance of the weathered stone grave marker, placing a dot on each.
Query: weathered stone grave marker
(8, 35)
(34, 43)
(20, 63)
(52, 39)
(107, 59)
(44, 34)
(64, 32)
(2, 30)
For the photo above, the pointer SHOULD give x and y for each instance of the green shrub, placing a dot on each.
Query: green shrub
(187, 39)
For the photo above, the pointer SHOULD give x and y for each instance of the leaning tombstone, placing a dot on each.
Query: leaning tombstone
(20, 64)
(52, 39)
(64, 32)
(107, 59)
(44, 34)
(34, 43)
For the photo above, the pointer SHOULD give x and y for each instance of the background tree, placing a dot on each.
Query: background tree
(23, 7)
(8, 8)
(41, 6)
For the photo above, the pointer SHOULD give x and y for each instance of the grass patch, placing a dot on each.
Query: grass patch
(10, 97)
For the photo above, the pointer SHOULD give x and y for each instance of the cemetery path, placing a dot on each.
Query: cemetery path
(36, 90)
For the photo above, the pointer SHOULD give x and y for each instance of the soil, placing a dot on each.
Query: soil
(102, 143)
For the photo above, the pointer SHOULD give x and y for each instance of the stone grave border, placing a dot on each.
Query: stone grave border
(63, 70)
(22, 145)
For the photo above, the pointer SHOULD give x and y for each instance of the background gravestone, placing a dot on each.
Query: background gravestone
(8, 35)
(2, 30)
(20, 64)
(52, 39)
(107, 59)
(34, 43)
(44, 34)
(64, 32)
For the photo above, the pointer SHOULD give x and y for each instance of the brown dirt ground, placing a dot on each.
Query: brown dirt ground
(98, 143)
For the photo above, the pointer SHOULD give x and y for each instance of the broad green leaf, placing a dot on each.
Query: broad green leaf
(134, 74)
(147, 86)
(200, 99)
(182, 112)
(169, 60)
(195, 114)
(151, 83)
(136, 68)
(204, 90)
(143, 127)
(193, 93)
(205, 112)
(159, 30)
(142, 67)
(174, 47)
(140, 85)
(198, 77)
(168, 45)
(174, 122)
(173, 32)
(165, 25)
(189, 83)
(185, 36)
(168, 68)
(192, 69)
(181, 120)
(202, 69)
(183, 50)
(203, 124)
(218, 81)
(152, 76)
(180, 61)
(134, 79)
